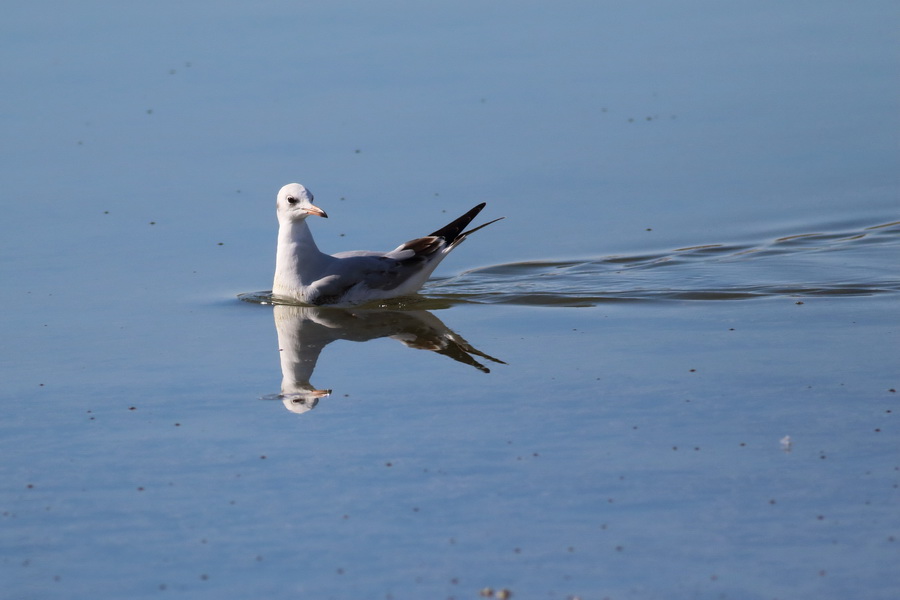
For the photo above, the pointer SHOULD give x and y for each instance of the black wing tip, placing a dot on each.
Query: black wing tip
(471, 214)
(483, 225)
(453, 230)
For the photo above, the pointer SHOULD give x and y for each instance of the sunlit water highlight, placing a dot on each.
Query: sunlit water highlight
(845, 262)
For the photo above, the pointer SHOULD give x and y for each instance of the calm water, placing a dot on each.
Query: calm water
(670, 372)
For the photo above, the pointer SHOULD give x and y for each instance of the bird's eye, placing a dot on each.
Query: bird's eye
(291, 200)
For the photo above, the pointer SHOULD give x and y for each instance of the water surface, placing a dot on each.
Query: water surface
(590, 399)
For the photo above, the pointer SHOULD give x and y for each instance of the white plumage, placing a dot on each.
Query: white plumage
(304, 274)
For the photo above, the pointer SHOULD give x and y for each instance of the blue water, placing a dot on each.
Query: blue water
(590, 399)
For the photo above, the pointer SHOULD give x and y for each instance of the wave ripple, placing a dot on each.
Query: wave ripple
(847, 262)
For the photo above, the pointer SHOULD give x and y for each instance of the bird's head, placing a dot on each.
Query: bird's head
(295, 203)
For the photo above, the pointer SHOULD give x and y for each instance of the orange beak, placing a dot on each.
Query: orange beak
(315, 210)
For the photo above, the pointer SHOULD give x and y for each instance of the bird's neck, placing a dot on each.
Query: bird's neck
(297, 257)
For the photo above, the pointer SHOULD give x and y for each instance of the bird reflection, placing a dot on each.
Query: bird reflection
(304, 331)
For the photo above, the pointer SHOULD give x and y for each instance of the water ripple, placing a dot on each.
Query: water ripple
(845, 262)
(850, 262)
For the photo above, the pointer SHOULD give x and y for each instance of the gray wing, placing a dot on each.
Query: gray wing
(377, 270)
(409, 262)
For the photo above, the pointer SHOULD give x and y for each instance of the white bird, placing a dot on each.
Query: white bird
(304, 274)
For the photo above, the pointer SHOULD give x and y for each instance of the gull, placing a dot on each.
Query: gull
(304, 274)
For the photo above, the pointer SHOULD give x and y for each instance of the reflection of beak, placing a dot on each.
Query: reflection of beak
(302, 401)
(315, 210)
